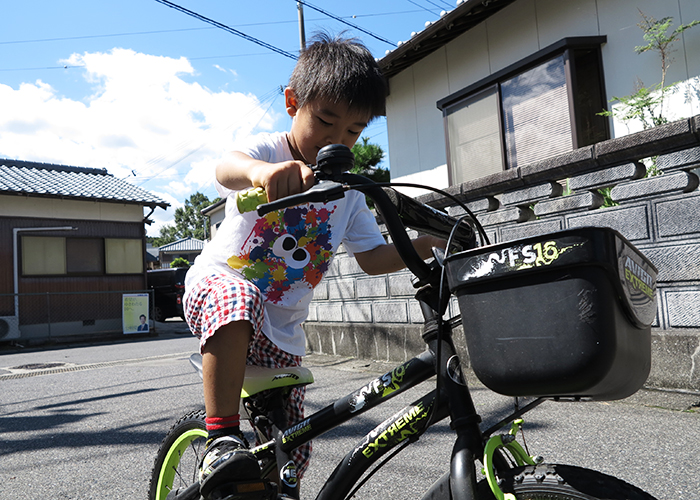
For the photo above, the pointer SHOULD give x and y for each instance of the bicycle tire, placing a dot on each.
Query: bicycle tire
(177, 462)
(550, 482)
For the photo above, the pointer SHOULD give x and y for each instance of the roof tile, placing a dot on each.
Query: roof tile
(41, 179)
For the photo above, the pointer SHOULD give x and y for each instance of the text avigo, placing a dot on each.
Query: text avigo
(639, 278)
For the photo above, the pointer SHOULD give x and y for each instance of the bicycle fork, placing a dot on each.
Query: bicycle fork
(464, 419)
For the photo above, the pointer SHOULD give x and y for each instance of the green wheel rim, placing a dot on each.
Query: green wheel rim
(172, 460)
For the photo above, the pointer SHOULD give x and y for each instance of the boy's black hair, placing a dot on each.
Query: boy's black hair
(339, 69)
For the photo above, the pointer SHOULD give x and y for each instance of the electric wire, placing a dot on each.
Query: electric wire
(339, 19)
(227, 28)
(421, 6)
(178, 30)
(272, 97)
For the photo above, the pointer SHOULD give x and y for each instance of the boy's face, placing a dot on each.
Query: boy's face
(320, 123)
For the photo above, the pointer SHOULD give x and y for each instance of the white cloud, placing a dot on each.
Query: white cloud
(141, 116)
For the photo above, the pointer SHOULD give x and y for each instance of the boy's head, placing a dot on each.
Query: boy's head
(339, 70)
(336, 89)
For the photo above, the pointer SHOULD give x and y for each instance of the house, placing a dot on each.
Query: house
(215, 213)
(497, 103)
(72, 242)
(494, 85)
(185, 248)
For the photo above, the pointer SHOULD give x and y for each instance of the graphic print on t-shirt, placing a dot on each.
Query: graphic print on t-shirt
(287, 251)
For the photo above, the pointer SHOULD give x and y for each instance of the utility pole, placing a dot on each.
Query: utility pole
(302, 31)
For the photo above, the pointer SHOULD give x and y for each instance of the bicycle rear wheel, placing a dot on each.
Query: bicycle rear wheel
(177, 463)
(550, 482)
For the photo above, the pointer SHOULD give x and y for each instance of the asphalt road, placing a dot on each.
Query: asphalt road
(89, 426)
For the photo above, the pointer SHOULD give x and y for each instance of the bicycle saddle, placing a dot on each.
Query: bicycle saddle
(259, 378)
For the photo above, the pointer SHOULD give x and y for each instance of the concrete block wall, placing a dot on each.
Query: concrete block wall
(374, 316)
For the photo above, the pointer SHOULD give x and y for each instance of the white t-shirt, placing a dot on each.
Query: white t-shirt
(287, 252)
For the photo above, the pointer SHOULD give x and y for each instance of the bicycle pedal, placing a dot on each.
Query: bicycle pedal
(244, 490)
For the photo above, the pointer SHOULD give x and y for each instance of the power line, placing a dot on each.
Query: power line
(442, 1)
(178, 30)
(85, 37)
(421, 6)
(227, 28)
(340, 19)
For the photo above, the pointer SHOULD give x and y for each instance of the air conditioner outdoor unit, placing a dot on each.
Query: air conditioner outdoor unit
(9, 328)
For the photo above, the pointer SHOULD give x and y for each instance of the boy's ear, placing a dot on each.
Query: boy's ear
(290, 102)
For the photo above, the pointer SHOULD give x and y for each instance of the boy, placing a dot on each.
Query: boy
(248, 293)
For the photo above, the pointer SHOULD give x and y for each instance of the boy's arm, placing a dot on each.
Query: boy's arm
(240, 171)
(385, 258)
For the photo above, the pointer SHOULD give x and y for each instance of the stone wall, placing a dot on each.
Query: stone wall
(375, 317)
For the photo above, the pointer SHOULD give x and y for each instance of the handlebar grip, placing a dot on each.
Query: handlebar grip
(248, 200)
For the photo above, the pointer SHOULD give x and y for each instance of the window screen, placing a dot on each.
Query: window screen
(123, 256)
(474, 137)
(536, 117)
(43, 255)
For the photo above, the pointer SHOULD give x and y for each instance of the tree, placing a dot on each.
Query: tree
(367, 157)
(189, 221)
(180, 262)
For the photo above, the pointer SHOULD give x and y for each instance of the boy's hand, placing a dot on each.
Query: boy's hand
(282, 179)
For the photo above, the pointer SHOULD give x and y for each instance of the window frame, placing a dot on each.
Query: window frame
(565, 46)
(67, 273)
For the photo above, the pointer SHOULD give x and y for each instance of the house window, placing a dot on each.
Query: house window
(540, 107)
(56, 256)
(43, 255)
(85, 256)
(124, 256)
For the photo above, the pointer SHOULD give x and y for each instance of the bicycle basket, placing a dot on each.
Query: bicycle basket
(566, 314)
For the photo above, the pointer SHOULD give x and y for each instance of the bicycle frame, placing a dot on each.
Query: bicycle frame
(452, 399)
(501, 455)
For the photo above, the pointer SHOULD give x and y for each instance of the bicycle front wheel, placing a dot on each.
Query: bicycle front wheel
(177, 462)
(550, 482)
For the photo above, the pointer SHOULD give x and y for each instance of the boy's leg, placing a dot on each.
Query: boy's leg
(223, 364)
(223, 311)
(226, 458)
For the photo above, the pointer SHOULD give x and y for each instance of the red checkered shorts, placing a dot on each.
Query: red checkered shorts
(221, 299)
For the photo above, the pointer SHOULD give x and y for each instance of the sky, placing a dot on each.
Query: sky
(157, 96)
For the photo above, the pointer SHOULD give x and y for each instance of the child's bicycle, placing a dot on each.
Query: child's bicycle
(579, 307)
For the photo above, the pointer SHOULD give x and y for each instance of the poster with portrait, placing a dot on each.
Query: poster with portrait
(135, 313)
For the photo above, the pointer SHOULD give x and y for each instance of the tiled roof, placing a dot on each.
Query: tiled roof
(43, 179)
(183, 245)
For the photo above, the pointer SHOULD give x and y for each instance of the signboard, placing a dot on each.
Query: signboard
(135, 313)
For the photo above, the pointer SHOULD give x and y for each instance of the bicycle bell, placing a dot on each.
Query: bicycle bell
(335, 159)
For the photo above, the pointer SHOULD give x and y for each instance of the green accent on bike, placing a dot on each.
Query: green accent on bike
(172, 460)
(515, 450)
(248, 200)
(258, 378)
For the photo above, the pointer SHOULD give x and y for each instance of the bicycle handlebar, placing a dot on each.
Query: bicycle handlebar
(396, 209)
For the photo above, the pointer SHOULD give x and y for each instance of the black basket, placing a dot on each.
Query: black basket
(566, 314)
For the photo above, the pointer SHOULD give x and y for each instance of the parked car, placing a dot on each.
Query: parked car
(168, 287)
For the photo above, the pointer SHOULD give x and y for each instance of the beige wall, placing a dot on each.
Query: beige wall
(415, 125)
(55, 208)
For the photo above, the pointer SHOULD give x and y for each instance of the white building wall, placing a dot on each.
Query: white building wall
(55, 208)
(415, 126)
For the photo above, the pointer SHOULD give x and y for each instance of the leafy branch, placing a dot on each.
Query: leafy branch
(646, 103)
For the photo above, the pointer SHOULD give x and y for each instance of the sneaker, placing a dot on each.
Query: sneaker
(226, 460)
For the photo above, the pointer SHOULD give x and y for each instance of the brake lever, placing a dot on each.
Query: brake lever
(322, 192)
